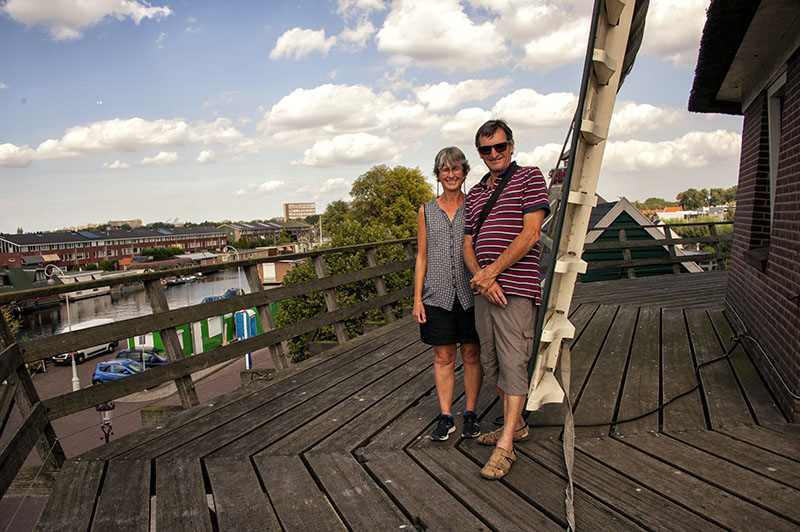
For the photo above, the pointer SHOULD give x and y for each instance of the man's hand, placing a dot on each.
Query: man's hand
(494, 294)
(483, 280)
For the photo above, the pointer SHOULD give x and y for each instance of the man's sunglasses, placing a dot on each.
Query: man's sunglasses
(500, 147)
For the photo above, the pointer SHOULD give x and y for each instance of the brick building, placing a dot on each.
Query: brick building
(749, 65)
(74, 248)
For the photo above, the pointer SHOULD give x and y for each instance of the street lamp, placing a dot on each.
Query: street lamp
(106, 411)
(49, 272)
(231, 249)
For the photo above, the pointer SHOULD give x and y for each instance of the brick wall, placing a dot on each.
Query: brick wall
(763, 298)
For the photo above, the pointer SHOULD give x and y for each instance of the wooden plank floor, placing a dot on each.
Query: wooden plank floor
(340, 442)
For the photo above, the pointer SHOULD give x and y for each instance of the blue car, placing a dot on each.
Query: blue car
(148, 358)
(209, 299)
(111, 370)
(232, 292)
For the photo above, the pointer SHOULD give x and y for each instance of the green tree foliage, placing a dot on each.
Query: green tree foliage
(304, 307)
(311, 220)
(692, 199)
(286, 237)
(161, 252)
(684, 230)
(334, 216)
(14, 325)
(390, 197)
(108, 265)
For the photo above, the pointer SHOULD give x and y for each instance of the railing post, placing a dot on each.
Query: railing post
(26, 397)
(676, 267)
(265, 315)
(372, 260)
(330, 298)
(172, 347)
(712, 230)
(626, 253)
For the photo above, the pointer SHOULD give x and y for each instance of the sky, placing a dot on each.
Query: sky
(178, 110)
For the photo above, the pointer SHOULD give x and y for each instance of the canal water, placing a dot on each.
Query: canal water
(127, 304)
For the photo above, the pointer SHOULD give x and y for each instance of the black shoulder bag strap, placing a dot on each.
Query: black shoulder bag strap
(487, 208)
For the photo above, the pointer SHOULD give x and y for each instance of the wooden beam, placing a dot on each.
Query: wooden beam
(172, 347)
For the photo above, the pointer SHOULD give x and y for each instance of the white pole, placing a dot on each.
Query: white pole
(76, 382)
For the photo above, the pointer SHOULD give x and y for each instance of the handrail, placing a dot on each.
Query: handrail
(8, 297)
(38, 415)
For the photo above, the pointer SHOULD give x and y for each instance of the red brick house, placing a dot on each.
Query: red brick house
(749, 65)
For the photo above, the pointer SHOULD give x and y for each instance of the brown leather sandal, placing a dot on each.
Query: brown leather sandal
(491, 438)
(499, 464)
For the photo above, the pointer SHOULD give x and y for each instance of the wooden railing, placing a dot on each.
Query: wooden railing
(37, 414)
(626, 267)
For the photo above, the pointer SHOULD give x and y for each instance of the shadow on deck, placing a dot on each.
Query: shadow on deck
(339, 442)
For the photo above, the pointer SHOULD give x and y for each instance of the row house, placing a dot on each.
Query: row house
(75, 248)
(266, 230)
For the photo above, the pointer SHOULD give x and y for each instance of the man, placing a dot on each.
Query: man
(503, 257)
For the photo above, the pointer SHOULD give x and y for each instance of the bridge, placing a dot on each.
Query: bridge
(339, 441)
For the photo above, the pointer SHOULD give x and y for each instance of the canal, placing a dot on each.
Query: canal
(130, 304)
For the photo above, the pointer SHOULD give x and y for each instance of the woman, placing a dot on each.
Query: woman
(443, 300)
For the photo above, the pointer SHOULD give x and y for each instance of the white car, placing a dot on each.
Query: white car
(86, 352)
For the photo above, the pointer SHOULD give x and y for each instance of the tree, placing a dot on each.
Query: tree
(311, 220)
(304, 307)
(20, 231)
(390, 197)
(286, 236)
(161, 253)
(692, 199)
(335, 214)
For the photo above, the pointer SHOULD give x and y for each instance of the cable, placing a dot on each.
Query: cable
(746, 334)
(738, 338)
(11, 521)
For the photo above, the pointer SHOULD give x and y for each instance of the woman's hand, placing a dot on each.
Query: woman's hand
(418, 312)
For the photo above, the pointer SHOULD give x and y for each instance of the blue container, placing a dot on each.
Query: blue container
(245, 321)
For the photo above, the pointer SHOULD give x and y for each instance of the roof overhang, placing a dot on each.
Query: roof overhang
(744, 48)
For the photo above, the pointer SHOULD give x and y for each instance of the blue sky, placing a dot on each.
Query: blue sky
(208, 110)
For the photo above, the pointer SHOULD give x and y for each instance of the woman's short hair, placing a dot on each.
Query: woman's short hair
(489, 128)
(451, 156)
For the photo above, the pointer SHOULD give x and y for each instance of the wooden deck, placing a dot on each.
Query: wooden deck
(339, 442)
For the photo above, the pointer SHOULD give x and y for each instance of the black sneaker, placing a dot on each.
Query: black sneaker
(471, 428)
(443, 428)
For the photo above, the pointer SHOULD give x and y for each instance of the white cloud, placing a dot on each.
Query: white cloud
(331, 109)
(695, 149)
(220, 130)
(358, 35)
(566, 44)
(160, 40)
(673, 42)
(297, 43)
(461, 128)
(116, 165)
(3, 85)
(441, 35)
(16, 156)
(335, 184)
(264, 188)
(345, 6)
(357, 148)
(630, 118)
(163, 158)
(545, 157)
(114, 135)
(66, 19)
(444, 96)
(531, 110)
(206, 157)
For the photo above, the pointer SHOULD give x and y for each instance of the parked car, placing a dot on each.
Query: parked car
(232, 292)
(209, 299)
(86, 352)
(111, 370)
(149, 359)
